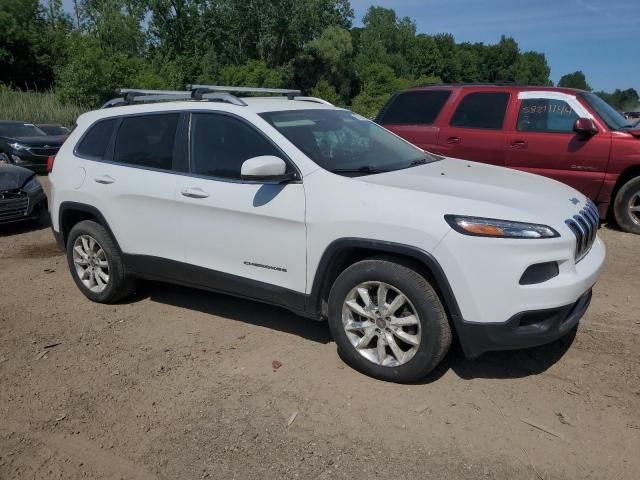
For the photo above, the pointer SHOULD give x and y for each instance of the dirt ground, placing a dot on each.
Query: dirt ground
(179, 384)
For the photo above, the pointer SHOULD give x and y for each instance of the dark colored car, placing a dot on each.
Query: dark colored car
(569, 135)
(54, 129)
(27, 146)
(21, 195)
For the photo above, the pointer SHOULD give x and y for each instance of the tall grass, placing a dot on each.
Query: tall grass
(37, 107)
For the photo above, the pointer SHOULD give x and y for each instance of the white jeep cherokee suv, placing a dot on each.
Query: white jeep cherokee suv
(297, 203)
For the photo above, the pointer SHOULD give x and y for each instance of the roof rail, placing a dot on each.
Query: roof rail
(134, 95)
(290, 93)
(313, 100)
(213, 93)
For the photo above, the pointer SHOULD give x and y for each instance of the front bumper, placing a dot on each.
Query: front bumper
(24, 207)
(35, 163)
(524, 330)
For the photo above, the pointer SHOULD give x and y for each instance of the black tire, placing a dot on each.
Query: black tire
(624, 217)
(120, 284)
(435, 330)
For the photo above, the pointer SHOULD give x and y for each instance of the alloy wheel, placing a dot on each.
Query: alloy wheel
(92, 266)
(634, 208)
(381, 323)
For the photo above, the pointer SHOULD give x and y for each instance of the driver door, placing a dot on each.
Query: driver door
(543, 142)
(240, 235)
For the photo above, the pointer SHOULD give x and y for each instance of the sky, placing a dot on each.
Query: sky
(601, 38)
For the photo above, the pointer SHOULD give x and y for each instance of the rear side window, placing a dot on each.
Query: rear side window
(414, 108)
(95, 142)
(220, 144)
(481, 110)
(147, 141)
(546, 115)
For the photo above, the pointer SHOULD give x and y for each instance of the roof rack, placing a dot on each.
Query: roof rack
(214, 93)
(291, 94)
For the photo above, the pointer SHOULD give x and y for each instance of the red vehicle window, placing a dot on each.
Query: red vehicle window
(546, 115)
(481, 110)
(414, 108)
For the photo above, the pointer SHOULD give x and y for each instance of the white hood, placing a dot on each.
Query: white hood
(489, 191)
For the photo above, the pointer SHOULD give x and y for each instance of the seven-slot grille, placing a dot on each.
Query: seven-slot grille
(14, 204)
(584, 226)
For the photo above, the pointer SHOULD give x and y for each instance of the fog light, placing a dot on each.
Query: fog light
(17, 159)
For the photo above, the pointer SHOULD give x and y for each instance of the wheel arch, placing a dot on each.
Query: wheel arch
(342, 253)
(628, 174)
(71, 213)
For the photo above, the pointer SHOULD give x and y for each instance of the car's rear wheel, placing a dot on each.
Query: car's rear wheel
(388, 321)
(96, 264)
(626, 206)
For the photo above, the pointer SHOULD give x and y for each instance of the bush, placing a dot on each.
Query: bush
(36, 107)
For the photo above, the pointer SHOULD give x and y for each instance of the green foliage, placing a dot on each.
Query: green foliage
(574, 80)
(308, 44)
(323, 89)
(623, 100)
(37, 107)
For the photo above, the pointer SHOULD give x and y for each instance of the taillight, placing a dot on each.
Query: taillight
(50, 160)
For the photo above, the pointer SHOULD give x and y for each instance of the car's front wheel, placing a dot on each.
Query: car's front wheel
(388, 321)
(626, 206)
(96, 264)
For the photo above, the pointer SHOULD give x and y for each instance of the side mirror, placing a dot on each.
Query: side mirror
(266, 169)
(585, 127)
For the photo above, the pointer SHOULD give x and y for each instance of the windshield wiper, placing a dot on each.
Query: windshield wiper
(418, 161)
(365, 170)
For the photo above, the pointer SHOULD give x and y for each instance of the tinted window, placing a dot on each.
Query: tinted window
(546, 115)
(95, 142)
(415, 108)
(17, 129)
(220, 144)
(481, 110)
(147, 140)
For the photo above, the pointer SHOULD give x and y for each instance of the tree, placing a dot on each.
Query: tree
(622, 100)
(574, 80)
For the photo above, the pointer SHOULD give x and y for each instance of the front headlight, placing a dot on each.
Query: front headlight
(491, 227)
(32, 185)
(18, 147)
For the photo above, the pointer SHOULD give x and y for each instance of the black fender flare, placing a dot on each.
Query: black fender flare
(81, 207)
(424, 258)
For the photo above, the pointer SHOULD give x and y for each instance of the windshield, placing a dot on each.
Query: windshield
(609, 115)
(54, 129)
(20, 130)
(346, 143)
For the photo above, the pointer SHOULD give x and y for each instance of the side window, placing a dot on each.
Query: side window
(414, 108)
(481, 110)
(147, 140)
(220, 144)
(95, 142)
(546, 115)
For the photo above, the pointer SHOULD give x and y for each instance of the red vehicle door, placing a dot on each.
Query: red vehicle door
(476, 128)
(543, 142)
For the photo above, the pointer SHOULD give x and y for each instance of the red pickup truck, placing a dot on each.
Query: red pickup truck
(569, 135)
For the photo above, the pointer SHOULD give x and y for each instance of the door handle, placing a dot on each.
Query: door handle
(519, 144)
(453, 140)
(194, 193)
(104, 179)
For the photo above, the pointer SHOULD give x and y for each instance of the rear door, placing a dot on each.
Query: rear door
(475, 130)
(133, 182)
(241, 233)
(412, 116)
(543, 142)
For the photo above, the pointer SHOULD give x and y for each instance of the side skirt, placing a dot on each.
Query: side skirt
(171, 271)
